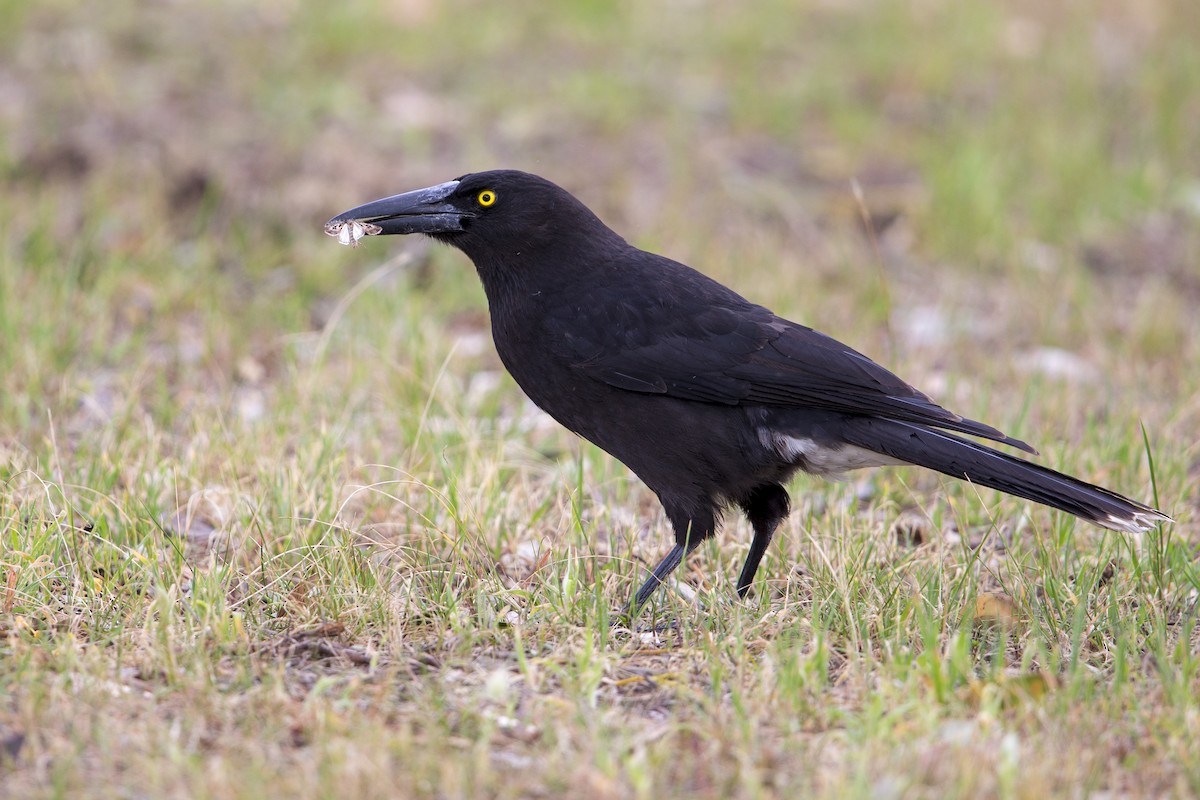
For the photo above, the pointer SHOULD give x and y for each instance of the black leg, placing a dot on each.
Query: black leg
(690, 530)
(665, 567)
(765, 507)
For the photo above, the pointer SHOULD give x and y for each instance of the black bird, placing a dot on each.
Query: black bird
(710, 399)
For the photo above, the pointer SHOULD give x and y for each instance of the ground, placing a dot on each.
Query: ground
(274, 522)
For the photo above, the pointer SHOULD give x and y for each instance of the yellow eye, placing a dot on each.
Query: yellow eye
(486, 198)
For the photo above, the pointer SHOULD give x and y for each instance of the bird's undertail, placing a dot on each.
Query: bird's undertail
(962, 458)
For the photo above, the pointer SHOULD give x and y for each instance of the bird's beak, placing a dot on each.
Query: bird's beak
(419, 211)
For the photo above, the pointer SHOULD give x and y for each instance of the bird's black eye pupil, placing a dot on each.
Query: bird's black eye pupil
(486, 198)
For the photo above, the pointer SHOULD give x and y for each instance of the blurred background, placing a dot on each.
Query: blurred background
(903, 175)
(268, 504)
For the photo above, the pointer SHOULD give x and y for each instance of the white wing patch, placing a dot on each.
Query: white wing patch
(829, 462)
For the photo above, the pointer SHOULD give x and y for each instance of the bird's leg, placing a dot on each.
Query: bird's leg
(765, 507)
(690, 530)
(665, 567)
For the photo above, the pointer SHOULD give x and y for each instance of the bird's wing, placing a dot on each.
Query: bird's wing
(737, 353)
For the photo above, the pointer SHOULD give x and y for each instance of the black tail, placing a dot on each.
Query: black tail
(962, 458)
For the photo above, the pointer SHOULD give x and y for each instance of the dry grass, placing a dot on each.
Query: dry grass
(275, 523)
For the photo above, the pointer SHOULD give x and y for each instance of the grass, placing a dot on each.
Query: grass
(275, 522)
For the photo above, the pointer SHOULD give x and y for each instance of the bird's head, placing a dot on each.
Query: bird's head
(493, 217)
